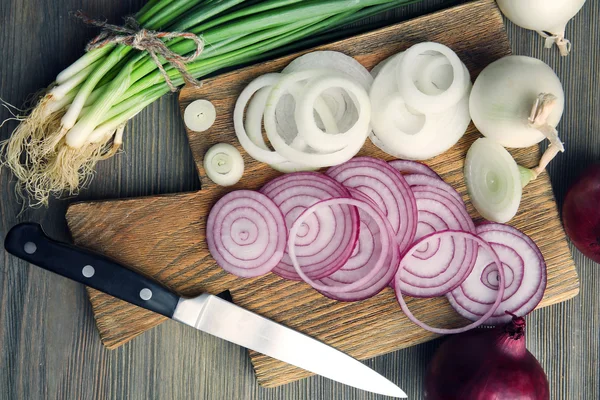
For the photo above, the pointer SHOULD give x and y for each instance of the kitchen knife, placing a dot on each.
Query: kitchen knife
(206, 312)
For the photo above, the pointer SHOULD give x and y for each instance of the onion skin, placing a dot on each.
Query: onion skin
(581, 213)
(487, 364)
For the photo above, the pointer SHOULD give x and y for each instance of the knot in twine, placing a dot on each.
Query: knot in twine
(132, 35)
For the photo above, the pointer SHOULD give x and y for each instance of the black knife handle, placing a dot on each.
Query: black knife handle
(29, 242)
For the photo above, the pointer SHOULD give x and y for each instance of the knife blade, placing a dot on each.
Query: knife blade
(206, 312)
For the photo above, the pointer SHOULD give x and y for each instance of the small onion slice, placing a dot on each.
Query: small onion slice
(387, 188)
(453, 235)
(382, 262)
(327, 238)
(525, 272)
(493, 180)
(224, 164)
(246, 233)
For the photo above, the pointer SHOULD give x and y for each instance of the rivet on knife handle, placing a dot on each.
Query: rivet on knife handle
(29, 242)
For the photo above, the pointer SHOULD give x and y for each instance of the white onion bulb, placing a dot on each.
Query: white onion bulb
(548, 17)
(518, 101)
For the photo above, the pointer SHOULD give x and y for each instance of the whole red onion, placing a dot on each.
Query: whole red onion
(581, 213)
(487, 364)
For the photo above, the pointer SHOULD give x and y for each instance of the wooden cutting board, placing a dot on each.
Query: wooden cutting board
(163, 236)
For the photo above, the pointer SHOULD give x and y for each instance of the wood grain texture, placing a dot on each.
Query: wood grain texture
(164, 237)
(50, 344)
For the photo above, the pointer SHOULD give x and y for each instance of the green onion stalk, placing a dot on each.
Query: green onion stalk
(81, 118)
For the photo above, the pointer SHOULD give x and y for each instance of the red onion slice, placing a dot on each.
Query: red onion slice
(425, 180)
(386, 242)
(437, 267)
(406, 167)
(525, 270)
(246, 233)
(454, 235)
(365, 255)
(387, 188)
(328, 237)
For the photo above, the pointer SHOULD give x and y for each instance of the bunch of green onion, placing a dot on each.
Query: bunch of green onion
(80, 119)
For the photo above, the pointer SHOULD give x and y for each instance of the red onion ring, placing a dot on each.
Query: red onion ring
(387, 241)
(436, 268)
(387, 188)
(425, 180)
(246, 233)
(328, 237)
(364, 256)
(406, 167)
(522, 260)
(461, 235)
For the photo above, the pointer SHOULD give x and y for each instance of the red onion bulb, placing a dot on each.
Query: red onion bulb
(487, 364)
(581, 213)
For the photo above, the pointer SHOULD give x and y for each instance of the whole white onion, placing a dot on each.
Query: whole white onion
(548, 17)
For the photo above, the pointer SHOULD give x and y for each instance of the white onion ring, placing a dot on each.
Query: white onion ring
(307, 127)
(405, 133)
(255, 151)
(294, 155)
(426, 103)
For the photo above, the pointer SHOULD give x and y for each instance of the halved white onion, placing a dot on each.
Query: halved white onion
(493, 180)
(224, 164)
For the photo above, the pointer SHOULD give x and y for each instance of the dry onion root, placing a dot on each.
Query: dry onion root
(43, 164)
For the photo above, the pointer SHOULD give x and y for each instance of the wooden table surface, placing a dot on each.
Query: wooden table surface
(49, 344)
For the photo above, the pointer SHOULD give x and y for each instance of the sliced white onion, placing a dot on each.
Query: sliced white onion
(255, 151)
(428, 101)
(493, 180)
(339, 102)
(307, 127)
(332, 60)
(224, 164)
(199, 115)
(377, 69)
(404, 133)
(302, 157)
(253, 125)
